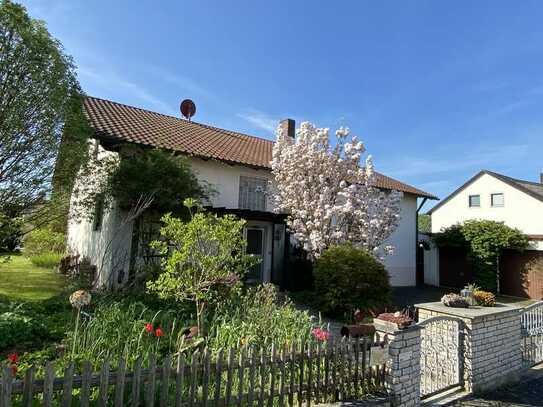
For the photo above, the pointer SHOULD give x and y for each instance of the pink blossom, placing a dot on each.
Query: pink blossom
(321, 334)
(329, 195)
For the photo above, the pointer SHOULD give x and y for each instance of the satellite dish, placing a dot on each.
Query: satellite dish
(188, 108)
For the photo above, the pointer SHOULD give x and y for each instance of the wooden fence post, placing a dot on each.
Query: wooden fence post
(7, 381)
(119, 383)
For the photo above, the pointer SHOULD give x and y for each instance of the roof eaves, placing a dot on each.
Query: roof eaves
(456, 192)
(516, 184)
(508, 180)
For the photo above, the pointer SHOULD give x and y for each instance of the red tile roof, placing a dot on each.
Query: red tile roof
(118, 122)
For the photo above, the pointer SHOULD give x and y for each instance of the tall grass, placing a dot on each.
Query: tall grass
(117, 329)
(46, 260)
(259, 318)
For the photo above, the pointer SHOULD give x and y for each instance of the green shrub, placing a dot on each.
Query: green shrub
(259, 317)
(205, 260)
(10, 232)
(46, 260)
(347, 278)
(41, 241)
(484, 240)
(20, 328)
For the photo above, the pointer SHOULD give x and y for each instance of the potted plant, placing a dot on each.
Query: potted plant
(390, 322)
(454, 301)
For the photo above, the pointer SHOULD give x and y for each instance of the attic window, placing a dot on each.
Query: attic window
(474, 201)
(252, 193)
(496, 200)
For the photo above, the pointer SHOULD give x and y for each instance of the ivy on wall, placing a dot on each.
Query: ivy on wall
(134, 174)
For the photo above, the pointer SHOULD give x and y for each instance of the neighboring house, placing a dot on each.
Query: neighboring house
(238, 167)
(491, 196)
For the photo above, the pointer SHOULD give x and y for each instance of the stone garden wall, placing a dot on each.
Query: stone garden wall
(489, 352)
(491, 346)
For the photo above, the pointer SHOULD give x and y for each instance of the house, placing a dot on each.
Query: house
(492, 196)
(238, 167)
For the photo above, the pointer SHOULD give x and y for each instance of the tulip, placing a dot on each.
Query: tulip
(13, 358)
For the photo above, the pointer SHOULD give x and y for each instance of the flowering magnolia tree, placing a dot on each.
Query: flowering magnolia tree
(330, 197)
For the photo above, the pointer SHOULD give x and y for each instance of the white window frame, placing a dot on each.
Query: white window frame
(245, 201)
(492, 200)
(469, 201)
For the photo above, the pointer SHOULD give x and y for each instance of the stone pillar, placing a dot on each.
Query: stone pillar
(491, 349)
(403, 365)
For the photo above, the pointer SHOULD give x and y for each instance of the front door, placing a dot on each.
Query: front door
(255, 246)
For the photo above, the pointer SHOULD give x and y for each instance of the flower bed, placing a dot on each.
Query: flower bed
(392, 321)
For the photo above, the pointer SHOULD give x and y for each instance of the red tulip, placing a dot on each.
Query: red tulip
(321, 334)
(158, 332)
(13, 358)
(149, 328)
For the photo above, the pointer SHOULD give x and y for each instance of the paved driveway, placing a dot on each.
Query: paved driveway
(526, 393)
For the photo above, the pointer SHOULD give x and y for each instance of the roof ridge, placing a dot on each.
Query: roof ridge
(207, 126)
(514, 179)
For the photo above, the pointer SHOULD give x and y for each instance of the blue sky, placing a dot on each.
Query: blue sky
(436, 90)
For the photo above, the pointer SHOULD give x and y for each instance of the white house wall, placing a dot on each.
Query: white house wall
(520, 210)
(108, 248)
(224, 178)
(402, 265)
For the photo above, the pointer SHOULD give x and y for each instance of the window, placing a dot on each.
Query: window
(98, 213)
(496, 200)
(474, 201)
(252, 193)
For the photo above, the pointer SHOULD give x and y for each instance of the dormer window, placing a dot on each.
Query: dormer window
(474, 201)
(496, 200)
(252, 193)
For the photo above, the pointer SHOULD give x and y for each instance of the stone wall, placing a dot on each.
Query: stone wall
(403, 366)
(491, 353)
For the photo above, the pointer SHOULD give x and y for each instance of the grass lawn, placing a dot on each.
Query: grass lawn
(20, 280)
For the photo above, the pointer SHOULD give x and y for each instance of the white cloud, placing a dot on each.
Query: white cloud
(259, 119)
(107, 79)
(485, 157)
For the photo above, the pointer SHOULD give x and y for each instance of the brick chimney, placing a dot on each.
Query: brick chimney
(289, 127)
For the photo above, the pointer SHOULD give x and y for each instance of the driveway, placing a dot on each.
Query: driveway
(521, 395)
(526, 393)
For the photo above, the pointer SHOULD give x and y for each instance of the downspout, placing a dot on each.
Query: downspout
(417, 239)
